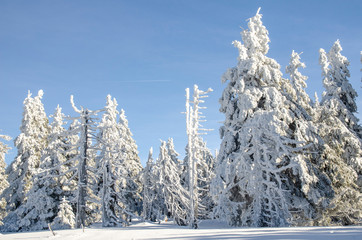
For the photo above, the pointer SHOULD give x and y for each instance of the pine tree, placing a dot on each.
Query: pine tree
(130, 183)
(260, 159)
(65, 218)
(83, 169)
(149, 190)
(30, 144)
(341, 134)
(3, 176)
(174, 195)
(45, 195)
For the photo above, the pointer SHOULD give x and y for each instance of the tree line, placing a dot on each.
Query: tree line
(284, 159)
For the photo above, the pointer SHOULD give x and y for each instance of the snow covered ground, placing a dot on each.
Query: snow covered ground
(208, 230)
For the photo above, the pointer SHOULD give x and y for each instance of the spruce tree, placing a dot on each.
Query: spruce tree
(30, 143)
(3, 177)
(340, 131)
(45, 195)
(130, 183)
(260, 159)
(65, 218)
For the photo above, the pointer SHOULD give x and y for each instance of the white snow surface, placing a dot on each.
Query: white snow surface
(209, 229)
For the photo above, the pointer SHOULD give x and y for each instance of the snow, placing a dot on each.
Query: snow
(210, 229)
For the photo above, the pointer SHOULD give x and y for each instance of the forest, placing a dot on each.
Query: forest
(284, 159)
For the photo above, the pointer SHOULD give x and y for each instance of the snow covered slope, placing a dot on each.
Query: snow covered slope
(208, 230)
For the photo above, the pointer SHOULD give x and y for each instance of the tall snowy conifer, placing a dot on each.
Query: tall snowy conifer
(150, 207)
(30, 143)
(3, 177)
(341, 133)
(174, 195)
(130, 182)
(260, 159)
(111, 165)
(85, 199)
(46, 193)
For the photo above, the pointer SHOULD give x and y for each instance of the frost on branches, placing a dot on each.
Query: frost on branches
(199, 162)
(30, 143)
(262, 178)
(3, 177)
(65, 218)
(170, 190)
(47, 191)
(341, 133)
(118, 168)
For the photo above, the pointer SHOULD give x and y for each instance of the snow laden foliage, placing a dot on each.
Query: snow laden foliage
(30, 143)
(118, 168)
(44, 197)
(198, 164)
(170, 190)
(298, 83)
(341, 133)
(149, 179)
(262, 177)
(130, 181)
(65, 218)
(83, 169)
(3, 176)
(339, 94)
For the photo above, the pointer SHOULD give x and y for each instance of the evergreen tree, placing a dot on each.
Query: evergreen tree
(130, 183)
(260, 159)
(30, 143)
(83, 169)
(65, 218)
(174, 195)
(149, 190)
(340, 131)
(3, 177)
(45, 195)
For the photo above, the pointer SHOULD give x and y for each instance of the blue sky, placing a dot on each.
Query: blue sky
(145, 53)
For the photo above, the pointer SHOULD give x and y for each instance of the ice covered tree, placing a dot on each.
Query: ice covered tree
(85, 199)
(30, 143)
(175, 197)
(149, 205)
(45, 195)
(65, 218)
(298, 83)
(198, 163)
(130, 183)
(340, 131)
(261, 177)
(3, 177)
(339, 94)
(115, 174)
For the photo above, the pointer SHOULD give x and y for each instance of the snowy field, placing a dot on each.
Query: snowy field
(208, 230)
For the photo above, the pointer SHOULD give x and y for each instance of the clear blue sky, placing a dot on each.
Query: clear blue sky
(145, 53)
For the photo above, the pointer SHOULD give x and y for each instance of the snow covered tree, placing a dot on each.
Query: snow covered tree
(199, 162)
(261, 176)
(130, 183)
(339, 94)
(298, 83)
(30, 144)
(149, 205)
(3, 177)
(65, 218)
(340, 131)
(44, 197)
(85, 199)
(175, 197)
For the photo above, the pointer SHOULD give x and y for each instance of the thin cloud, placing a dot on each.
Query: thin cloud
(143, 81)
